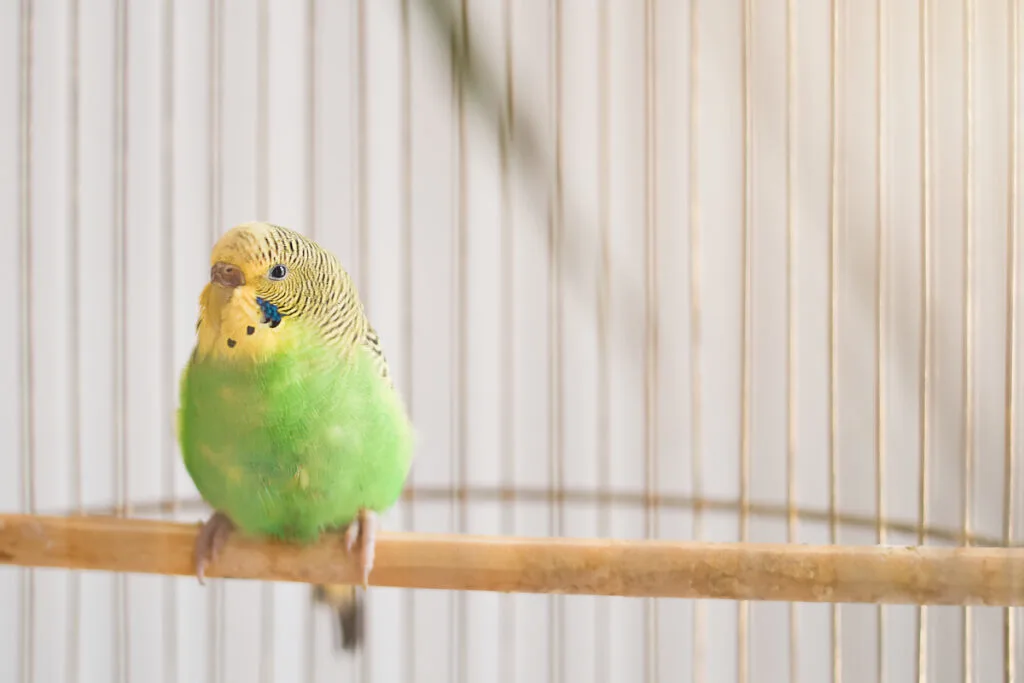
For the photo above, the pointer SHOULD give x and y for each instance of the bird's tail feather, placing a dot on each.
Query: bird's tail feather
(348, 606)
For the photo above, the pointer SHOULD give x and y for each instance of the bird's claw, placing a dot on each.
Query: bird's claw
(359, 540)
(211, 539)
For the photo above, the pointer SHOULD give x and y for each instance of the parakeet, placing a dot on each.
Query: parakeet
(288, 421)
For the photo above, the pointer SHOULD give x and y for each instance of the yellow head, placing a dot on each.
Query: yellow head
(267, 282)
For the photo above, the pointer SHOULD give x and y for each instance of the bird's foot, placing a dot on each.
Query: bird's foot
(360, 536)
(212, 536)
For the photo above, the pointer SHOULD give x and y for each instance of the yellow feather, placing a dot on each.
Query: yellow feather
(227, 316)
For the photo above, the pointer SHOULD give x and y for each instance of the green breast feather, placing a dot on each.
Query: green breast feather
(295, 445)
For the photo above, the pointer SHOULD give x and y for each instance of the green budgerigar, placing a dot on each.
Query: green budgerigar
(288, 422)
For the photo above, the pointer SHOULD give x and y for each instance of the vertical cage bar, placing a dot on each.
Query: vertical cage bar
(1012, 276)
(120, 325)
(460, 319)
(833, 312)
(409, 509)
(967, 472)
(791, 314)
(361, 132)
(507, 648)
(602, 629)
(881, 285)
(459, 49)
(743, 607)
(73, 653)
(455, 78)
(27, 352)
(362, 663)
(262, 108)
(214, 121)
(651, 317)
(312, 228)
(555, 339)
(169, 473)
(556, 622)
(120, 250)
(696, 414)
(217, 608)
(267, 606)
(312, 156)
(926, 343)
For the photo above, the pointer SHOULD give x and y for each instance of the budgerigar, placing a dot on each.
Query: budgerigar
(289, 423)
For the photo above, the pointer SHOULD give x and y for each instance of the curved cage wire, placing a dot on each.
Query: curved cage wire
(722, 270)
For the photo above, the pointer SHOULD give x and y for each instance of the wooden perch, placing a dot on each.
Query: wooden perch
(800, 573)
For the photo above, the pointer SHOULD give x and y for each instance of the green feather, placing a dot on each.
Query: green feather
(296, 443)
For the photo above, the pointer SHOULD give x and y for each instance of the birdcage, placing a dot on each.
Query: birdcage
(708, 271)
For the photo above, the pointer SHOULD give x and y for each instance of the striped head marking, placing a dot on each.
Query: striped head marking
(270, 287)
(287, 273)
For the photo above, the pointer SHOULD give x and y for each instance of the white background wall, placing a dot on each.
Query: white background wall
(133, 133)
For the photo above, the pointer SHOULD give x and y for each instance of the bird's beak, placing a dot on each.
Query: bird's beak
(226, 275)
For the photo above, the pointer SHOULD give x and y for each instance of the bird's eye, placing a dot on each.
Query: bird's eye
(277, 272)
